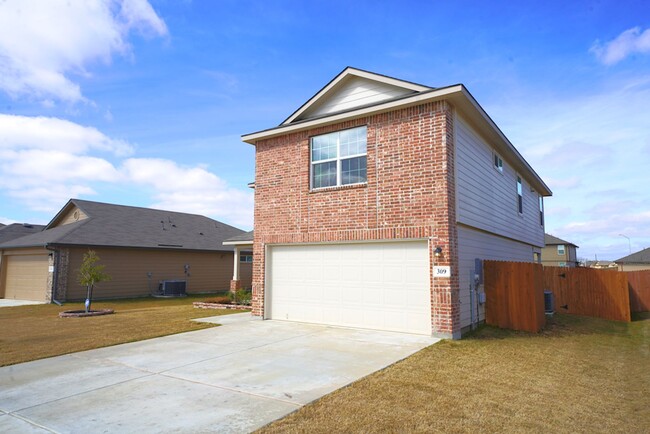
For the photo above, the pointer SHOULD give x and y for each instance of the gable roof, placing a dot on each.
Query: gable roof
(358, 93)
(111, 225)
(551, 240)
(2, 225)
(413, 95)
(640, 257)
(18, 230)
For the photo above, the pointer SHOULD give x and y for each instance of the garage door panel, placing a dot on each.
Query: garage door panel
(371, 285)
(26, 277)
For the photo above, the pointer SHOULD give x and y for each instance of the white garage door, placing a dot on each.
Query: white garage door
(26, 277)
(373, 285)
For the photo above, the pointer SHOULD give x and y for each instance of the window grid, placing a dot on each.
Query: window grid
(339, 158)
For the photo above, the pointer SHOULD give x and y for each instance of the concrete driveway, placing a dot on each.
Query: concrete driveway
(233, 378)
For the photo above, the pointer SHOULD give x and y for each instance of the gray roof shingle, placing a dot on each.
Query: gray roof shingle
(550, 240)
(640, 257)
(18, 230)
(111, 225)
(247, 236)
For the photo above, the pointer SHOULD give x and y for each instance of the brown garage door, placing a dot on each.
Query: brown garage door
(26, 277)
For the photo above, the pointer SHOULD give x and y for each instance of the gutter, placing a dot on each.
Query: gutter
(55, 278)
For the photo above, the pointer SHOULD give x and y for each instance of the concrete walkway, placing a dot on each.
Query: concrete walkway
(10, 302)
(233, 378)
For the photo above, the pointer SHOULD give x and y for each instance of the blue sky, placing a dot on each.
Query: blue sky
(143, 103)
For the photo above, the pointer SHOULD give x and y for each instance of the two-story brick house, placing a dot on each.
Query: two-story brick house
(373, 200)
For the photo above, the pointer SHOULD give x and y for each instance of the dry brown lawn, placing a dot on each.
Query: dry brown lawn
(580, 375)
(35, 332)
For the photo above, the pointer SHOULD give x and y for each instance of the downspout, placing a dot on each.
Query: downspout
(55, 277)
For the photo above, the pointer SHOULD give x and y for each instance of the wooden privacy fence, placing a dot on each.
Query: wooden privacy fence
(639, 289)
(514, 295)
(589, 291)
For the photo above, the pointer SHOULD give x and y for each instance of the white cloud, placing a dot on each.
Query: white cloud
(46, 161)
(190, 189)
(54, 134)
(592, 151)
(43, 44)
(627, 43)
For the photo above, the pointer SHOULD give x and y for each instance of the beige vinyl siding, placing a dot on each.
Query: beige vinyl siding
(487, 198)
(128, 268)
(356, 92)
(476, 244)
(25, 275)
(246, 274)
(551, 258)
(633, 267)
(74, 215)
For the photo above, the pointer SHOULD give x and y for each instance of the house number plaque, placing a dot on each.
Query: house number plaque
(442, 272)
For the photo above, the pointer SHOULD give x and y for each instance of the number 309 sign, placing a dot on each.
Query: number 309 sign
(441, 272)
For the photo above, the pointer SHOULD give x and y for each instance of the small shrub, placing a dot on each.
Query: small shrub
(243, 296)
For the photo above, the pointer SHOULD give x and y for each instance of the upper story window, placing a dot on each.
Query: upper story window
(520, 195)
(561, 250)
(338, 158)
(498, 163)
(541, 210)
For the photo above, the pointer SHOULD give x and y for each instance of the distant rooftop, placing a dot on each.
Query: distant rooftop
(18, 230)
(551, 240)
(110, 225)
(640, 257)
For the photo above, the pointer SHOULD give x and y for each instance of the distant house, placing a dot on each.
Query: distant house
(558, 252)
(636, 261)
(601, 264)
(17, 230)
(140, 248)
(373, 201)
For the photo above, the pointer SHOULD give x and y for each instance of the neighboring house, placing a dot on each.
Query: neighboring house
(140, 247)
(636, 261)
(17, 230)
(558, 252)
(601, 264)
(375, 197)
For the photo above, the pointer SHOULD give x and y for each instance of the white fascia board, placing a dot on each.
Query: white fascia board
(237, 243)
(457, 95)
(420, 98)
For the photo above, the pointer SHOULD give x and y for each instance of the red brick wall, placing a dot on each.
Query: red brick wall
(409, 194)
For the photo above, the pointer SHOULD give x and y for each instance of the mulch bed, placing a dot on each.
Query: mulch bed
(83, 313)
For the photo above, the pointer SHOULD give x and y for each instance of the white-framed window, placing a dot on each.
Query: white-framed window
(562, 264)
(498, 163)
(520, 195)
(246, 257)
(541, 210)
(561, 249)
(338, 158)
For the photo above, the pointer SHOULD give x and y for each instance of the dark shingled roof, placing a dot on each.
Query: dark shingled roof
(18, 230)
(111, 225)
(550, 240)
(640, 257)
(247, 236)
